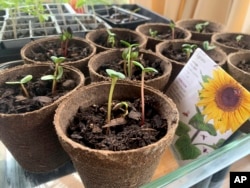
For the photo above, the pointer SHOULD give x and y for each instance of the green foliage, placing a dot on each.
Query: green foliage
(201, 26)
(23, 81)
(114, 75)
(188, 49)
(58, 73)
(129, 54)
(172, 26)
(238, 38)
(153, 33)
(207, 46)
(144, 71)
(65, 37)
(120, 106)
(111, 40)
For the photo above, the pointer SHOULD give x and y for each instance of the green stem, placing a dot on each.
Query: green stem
(112, 87)
(129, 63)
(54, 80)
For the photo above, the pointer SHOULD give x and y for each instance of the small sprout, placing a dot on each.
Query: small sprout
(207, 46)
(23, 81)
(201, 26)
(120, 106)
(188, 49)
(58, 73)
(114, 75)
(128, 55)
(144, 71)
(65, 38)
(172, 26)
(111, 38)
(133, 11)
(238, 38)
(153, 33)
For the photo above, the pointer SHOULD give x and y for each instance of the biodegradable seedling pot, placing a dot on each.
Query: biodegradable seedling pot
(227, 41)
(218, 55)
(105, 58)
(162, 29)
(30, 136)
(238, 67)
(206, 33)
(40, 51)
(104, 168)
(99, 37)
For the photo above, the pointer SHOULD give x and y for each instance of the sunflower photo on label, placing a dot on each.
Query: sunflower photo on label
(212, 106)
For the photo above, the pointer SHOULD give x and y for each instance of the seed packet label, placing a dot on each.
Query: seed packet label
(212, 106)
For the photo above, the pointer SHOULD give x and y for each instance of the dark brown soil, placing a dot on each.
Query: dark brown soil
(242, 44)
(102, 41)
(117, 65)
(12, 100)
(53, 48)
(175, 54)
(87, 127)
(244, 65)
(179, 55)
(205, 30)
(167, 35)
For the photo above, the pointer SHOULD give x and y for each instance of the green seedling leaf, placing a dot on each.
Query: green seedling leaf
(208, 46)
(57, 60)
(172, 24)
(186, 149)
(120, 105)
(48, 77)
(113, 73)
(125, 43)
(153, 33)
(60, 73)
(239, 38)
(200, 26)
(138, 64)
(24, 80)
(150, 69)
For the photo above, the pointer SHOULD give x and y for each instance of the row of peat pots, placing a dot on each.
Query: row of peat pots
(65, 135)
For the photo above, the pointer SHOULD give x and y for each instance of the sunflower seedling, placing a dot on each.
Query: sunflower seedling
(238, 38)
(200, 27)
(122, 106)
(114, 75)
(65, 37)
(23, 81)
(58, 72)
(207, 46)
(153, 33)
(128, 55)
(172, 27)
(188, 49)
(144, 71)
(111, 40)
